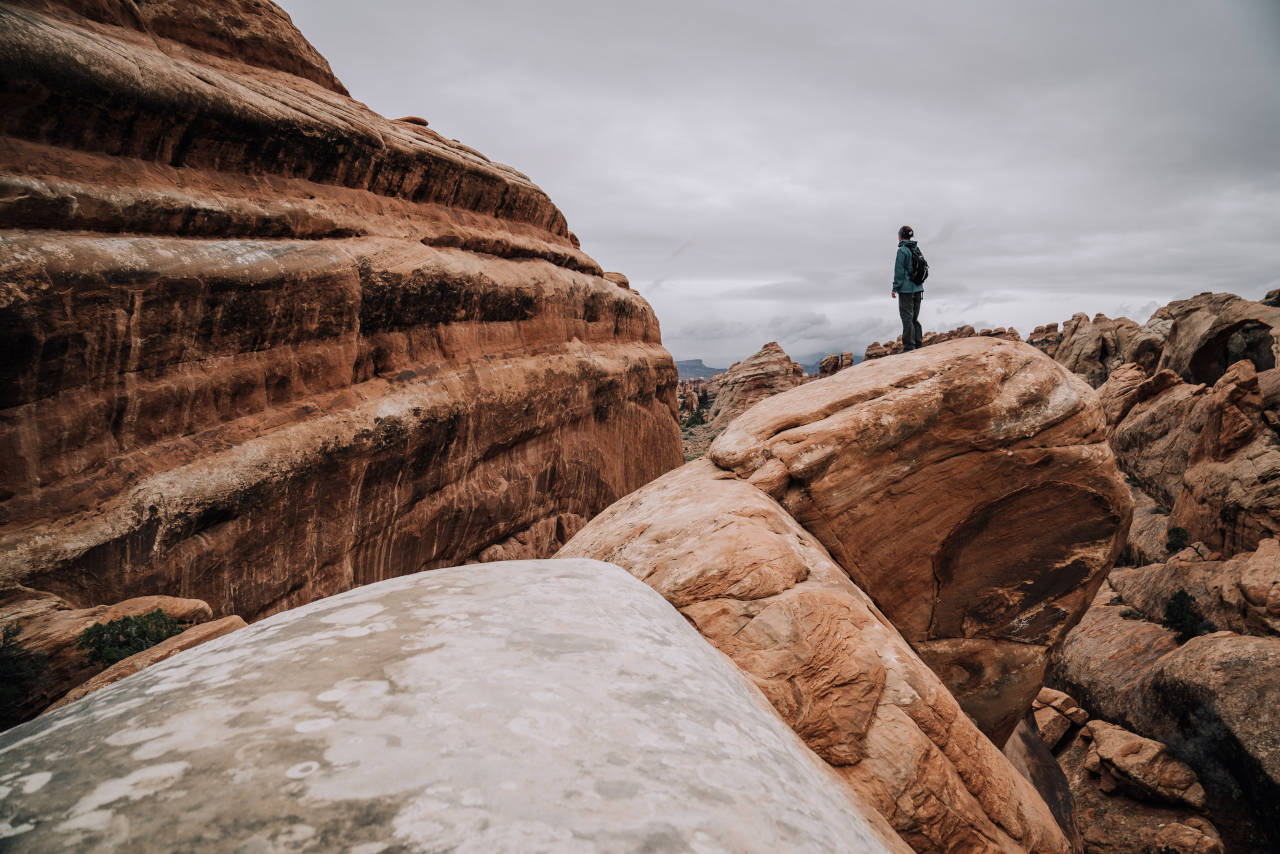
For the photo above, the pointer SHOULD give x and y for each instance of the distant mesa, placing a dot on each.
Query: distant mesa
(694, 369)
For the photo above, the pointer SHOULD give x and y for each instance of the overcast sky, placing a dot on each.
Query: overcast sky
(747, 164)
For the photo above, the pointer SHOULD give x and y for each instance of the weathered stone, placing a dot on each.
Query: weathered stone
(996, 456)
(262, 345)
(555, 706)
(767, 372)
(1028, 754)
(188, 639)
(1241, 594)
(1210, 700)
(765, 592)
(1199, 338)
(1111, 822)
(1143, 766)
(1093, 348)
(51, 627)
(1149, 531)
(1052, 725)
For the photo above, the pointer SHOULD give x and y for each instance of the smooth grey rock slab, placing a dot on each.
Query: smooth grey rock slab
(527, 706)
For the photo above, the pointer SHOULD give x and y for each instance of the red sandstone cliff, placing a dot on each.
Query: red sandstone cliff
(261, 344)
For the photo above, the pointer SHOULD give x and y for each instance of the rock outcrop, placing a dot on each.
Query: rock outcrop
(1209, 454)
(759, 543)
(765, 592)
(1240, 594)
(513, 707)
(261, 345)
(967, 488)
(1090, 348)
(1211, 700)
(50, 627)
(765, 373)
(1201, 337)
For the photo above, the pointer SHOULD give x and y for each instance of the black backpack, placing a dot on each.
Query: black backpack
(919, 266)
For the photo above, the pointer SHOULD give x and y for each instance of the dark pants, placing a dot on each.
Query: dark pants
(909, 311)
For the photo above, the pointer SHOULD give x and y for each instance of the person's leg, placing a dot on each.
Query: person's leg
(915, 319)
(907, 313)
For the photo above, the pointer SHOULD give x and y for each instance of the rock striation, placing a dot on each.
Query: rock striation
(765, 373)
(777, 548)
(259, 344)
(490, 708)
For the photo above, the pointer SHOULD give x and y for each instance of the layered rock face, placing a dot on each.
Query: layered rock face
(818, 494)
(261, 345)
(767, 372)
(483, 708)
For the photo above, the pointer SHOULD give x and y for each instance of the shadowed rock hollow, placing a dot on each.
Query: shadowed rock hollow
(259, 344)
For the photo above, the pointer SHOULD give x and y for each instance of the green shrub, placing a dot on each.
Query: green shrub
(22, 673)
(1177, 539)
(695, 419)
(1183, 616)
(117, 640)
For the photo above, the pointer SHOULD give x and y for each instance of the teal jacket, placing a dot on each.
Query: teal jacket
(902, 265)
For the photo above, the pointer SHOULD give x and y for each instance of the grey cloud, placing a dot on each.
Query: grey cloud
(745, 162)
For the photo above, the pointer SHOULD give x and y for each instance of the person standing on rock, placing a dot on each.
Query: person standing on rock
(909, 272)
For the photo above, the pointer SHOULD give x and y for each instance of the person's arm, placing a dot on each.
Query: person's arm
(900, 270)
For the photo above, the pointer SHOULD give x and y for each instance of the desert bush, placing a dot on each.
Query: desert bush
(22, 673)
(1182, 615)
(1177, 539)
(115, 641)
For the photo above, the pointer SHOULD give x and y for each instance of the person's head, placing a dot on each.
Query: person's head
(906, 233)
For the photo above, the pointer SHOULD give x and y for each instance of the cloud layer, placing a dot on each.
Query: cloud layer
(747, 165)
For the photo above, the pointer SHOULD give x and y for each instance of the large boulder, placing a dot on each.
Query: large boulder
(967, 488)
(764, 591)
(1211, 700)
(556, 706)
(261, 344)
(767, 372)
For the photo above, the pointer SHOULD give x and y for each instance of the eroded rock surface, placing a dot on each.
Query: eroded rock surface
(261, 345)
(1211, 700)
(556, 706)
(50, 627)
(764, 591)
(767, 372)
(1090, 348)
(967, 488)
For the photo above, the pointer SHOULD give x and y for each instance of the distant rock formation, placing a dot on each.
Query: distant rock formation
(549, 706)
(262, 345)
(838, 481)
(1090, 348)
(695, 369)
(765, 373)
